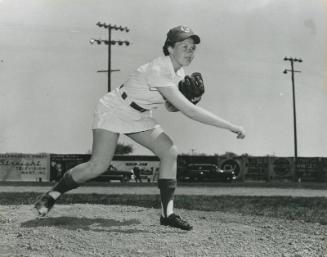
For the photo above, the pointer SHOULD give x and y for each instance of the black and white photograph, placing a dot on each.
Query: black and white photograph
(177, 128)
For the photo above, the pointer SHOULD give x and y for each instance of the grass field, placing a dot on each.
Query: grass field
(263, 184)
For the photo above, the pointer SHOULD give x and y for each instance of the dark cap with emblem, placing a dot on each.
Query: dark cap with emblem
(180, 33)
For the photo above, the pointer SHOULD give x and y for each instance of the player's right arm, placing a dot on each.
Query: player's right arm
(194, 112)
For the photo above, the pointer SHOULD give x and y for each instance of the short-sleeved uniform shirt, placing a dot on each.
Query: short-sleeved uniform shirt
(115, 114)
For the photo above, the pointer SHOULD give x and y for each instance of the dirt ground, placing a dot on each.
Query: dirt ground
(110, 230)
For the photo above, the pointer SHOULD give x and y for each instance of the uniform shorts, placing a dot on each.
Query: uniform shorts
(114, 114)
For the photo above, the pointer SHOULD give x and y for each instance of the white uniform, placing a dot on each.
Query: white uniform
(114, 113)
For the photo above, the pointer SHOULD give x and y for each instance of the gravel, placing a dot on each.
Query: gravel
(110, 230)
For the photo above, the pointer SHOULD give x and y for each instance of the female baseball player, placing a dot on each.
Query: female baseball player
(127, 110)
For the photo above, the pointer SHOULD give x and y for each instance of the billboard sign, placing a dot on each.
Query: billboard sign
(24, 167)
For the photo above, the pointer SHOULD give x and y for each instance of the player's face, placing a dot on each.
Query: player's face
(182, 53)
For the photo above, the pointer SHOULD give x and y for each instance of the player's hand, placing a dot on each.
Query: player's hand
(239, 131)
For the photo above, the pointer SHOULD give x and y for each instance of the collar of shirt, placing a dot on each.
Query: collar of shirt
(180, 72)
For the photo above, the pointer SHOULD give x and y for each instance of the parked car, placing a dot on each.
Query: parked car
(147, 175)
(206, 172)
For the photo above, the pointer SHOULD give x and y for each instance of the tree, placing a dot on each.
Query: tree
(123, 149)
(229, 155)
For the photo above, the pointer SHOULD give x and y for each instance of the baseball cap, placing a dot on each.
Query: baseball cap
(181, 33)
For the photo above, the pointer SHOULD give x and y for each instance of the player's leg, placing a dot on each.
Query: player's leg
(161, 145)
(103, 149)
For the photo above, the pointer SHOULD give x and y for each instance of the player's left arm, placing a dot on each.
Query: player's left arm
(170, 107)
(179, 101)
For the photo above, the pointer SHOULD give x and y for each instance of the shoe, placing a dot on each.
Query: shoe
(44, 204)
(175, 221)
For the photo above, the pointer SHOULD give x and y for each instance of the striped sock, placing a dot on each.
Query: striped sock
(65, 184)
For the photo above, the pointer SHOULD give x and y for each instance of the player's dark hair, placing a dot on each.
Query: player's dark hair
(166, 45)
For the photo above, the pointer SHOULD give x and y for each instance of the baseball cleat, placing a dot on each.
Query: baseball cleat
(175, 221)
(44, 204)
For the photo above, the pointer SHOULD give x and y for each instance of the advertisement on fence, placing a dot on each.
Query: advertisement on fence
(257, 168)
(283, 168)
(24, 167)
(309, 169)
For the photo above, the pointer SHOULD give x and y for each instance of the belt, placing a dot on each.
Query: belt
(133, 104)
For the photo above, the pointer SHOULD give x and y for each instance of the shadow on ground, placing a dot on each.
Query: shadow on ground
(87, 224)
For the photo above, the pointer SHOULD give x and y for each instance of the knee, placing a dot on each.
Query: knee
(97, 167)
(170, 154)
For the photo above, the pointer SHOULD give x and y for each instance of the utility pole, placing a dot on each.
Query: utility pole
(293, 60)
(110, 42)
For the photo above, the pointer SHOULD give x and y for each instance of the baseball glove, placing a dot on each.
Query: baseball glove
(192, 87)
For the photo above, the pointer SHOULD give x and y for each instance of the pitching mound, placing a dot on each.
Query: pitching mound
(110, 230)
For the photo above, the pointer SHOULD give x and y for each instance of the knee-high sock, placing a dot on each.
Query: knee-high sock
(65, 184)
(167, 190)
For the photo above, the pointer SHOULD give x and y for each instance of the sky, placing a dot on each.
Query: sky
(49, 84)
